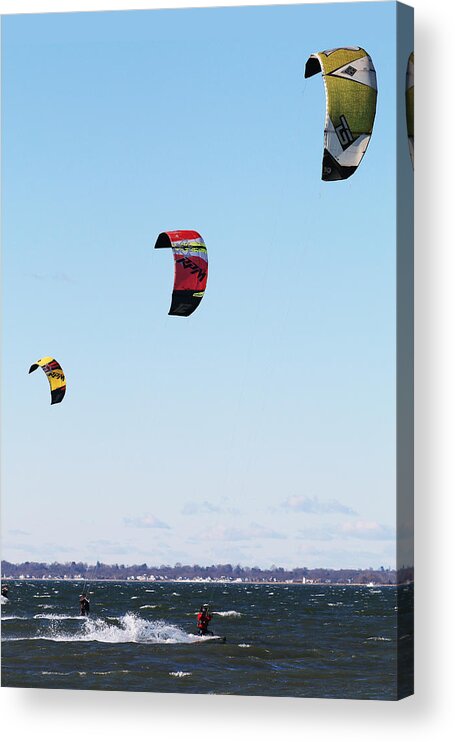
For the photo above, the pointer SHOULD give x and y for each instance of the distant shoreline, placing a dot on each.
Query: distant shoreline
(209, 574)
(90, 581)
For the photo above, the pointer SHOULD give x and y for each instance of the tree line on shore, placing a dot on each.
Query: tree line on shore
(100, 571)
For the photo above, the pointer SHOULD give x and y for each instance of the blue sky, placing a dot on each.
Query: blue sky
(262, 429)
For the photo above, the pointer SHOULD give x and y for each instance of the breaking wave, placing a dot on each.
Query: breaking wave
(127, 629)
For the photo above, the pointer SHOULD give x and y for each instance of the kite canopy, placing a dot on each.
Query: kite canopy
(351, 91)
(55, 377)
(410, 104)
(191, 269)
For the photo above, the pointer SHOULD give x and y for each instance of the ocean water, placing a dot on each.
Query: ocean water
(281, 640)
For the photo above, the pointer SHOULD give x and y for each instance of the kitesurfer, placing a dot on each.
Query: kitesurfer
(203, 620)
(85, 604)
(5, 591)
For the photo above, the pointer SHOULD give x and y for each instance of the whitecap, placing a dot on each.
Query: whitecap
(377, 639)
(228, 614)
(58, 617)
(180, 674)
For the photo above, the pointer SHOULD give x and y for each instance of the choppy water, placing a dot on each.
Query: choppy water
(281, 640)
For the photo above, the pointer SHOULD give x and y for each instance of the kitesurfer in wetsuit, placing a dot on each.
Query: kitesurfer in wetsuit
(5, 591)
(203, 620)
(85, 605)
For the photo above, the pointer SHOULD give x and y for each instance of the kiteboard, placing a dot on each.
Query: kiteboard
(212, 639)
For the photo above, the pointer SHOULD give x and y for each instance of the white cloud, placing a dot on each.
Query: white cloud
(43, 552)
(226, 533)
(359, 529)
(367, 529)
(301, 504)
(199, 508)
(104, 546)
(203, 508)
(145, 521)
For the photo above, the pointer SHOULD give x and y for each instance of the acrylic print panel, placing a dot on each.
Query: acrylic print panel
(208, 480)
